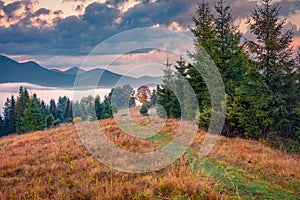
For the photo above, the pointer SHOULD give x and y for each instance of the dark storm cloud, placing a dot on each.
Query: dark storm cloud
(69, 36)
(160, 12)
(77, 35)
(100, 14)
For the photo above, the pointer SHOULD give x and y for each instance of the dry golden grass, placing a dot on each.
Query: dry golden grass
(54, 164)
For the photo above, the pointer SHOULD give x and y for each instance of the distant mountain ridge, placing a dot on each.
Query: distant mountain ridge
(73, 71)
(31, 72)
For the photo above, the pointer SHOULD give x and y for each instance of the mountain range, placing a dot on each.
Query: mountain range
(31, 72)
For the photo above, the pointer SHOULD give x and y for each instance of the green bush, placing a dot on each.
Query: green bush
(144, 110)
(106, 116)
(49, 121)
(56, 122)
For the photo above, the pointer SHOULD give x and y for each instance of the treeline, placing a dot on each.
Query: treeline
(261, 77)
(27, 113)
(90, 108)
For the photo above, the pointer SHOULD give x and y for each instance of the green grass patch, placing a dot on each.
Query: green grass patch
(238, 183)
(161, 138)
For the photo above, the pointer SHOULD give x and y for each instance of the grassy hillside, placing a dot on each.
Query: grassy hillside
(54, 164)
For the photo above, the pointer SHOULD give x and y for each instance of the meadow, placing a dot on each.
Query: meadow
(54, 164)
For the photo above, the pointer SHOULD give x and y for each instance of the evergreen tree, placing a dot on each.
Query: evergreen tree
(12, 115)
(53, 109)
(205, 39)
(107, 108)
(68, 114)
(272, 72)
(98, 107)
(44, 108)
(64, 109)
(22, 100)
(33, 117)
(167, 100)
(9, 116)
(230, 58)
(184, 92)
(61, 106)
(153, 98)
(6, 117)
(203, 30)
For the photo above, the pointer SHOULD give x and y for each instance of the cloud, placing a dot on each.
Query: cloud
(1, 4)
(289, 7)
(42, 11)
(73, 35)
(100, 14)
(57, 12)
(160, 12)
(77, 34)
(116, 2)
(82, 1)
(241, 8)
(10, 9)
(79, 7)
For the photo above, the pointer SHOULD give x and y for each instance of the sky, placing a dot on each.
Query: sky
(62, 33)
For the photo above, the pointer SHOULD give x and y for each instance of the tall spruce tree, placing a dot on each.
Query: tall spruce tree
(68, 113)
(169, 104)
(107, 108)
(9, 123)
(230, 60)
(53, 109)
(203, 30)
(271, 75)
(12, 115)
(22, 100)
(205, 39)
(98, 107)
(184, 93)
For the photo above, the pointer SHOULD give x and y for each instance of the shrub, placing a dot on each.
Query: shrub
(106, 115)
(144, 110)
(49, 121)
(77, 119)
(56, 122)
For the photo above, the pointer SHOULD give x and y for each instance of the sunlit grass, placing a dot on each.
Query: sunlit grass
(54, 164)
